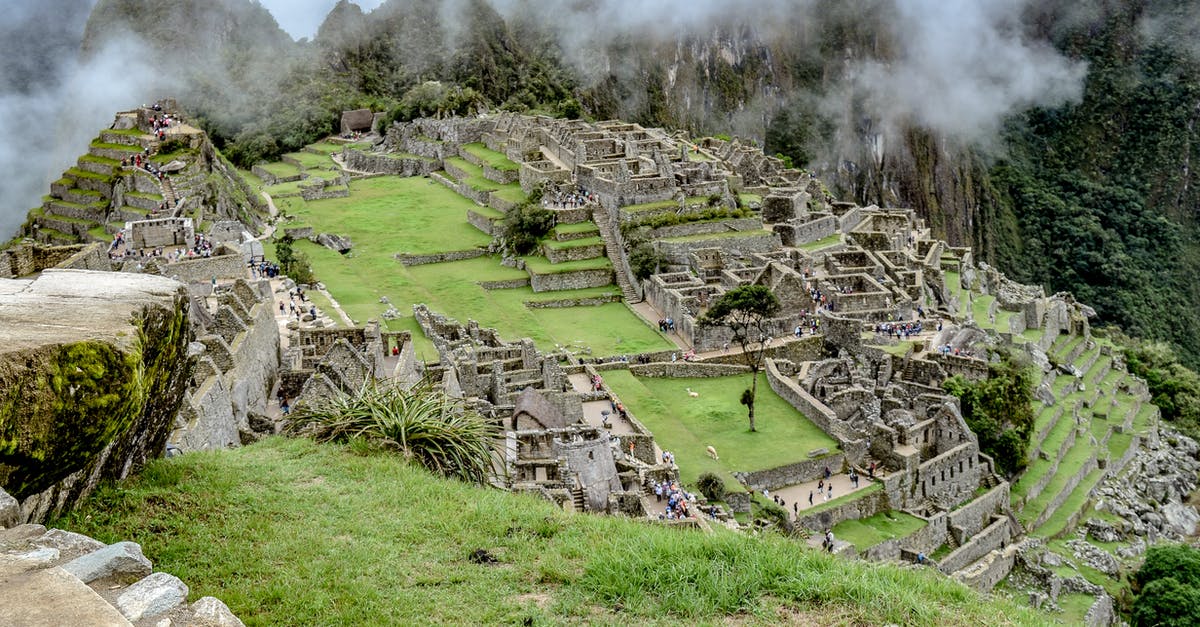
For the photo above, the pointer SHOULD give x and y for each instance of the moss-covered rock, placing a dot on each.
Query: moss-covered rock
(93, 368)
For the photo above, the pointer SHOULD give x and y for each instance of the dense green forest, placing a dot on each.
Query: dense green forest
(1095, 196)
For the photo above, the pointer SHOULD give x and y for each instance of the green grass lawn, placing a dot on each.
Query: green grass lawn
(573, 243)
(327, 148)
(452, 289)
(491, 157)
(720, 235)
(309, 160)
(867, 532)
(251, 179)
(388, 215)
(541, 265)
(686, 426)
(578, 227)
(288, 532)
(825, 242)
(280, 169)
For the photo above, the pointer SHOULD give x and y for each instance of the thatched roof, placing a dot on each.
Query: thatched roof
(535, 405)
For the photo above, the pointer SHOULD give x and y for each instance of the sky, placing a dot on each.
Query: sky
(301, 18)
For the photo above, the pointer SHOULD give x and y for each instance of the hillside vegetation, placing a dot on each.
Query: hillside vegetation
(292, 532)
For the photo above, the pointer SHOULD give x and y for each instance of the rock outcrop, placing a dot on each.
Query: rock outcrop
(93, 367)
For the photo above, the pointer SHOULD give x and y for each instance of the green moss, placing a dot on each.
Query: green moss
(63, 404)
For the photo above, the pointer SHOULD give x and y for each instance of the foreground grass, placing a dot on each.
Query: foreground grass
(686, 426)
(296, 533)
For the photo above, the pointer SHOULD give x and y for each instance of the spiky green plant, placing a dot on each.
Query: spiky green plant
(421, 423)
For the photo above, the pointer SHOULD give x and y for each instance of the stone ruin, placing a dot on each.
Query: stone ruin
(555, 444)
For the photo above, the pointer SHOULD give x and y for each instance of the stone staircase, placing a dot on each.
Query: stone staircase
(616, 255)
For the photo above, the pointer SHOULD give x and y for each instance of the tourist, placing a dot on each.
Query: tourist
(829, 496)
(810, 498)
(658, 490)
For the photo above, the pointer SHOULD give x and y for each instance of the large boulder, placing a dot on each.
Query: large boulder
(123, 559)
(157, 594)
(93, 368)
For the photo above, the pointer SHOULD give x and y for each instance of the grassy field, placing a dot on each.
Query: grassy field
(868, 532)
(686, 425)
(491, 157)
(826, 242)
(387, 215)
(286, 532)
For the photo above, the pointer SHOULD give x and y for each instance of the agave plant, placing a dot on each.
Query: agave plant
(421, 423)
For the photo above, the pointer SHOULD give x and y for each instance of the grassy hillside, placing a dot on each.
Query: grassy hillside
(291, 532)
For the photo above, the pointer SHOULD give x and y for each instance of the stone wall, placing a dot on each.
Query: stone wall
(991, 568)
(864, 506)
(953, 475)
(454, 255)
(573, 253)
(400, 165)
(971, 518)
(677, 252)
(928, 538)
(797, 233)
(203, 269)
(705, 228)
(681, 369)
(990, 538)
(217, 412)
(791, 474)
(807, 404)
(574, 280)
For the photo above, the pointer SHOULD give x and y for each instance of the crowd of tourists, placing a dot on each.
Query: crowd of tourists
(568, 200)
(679, 502)
(899, 330)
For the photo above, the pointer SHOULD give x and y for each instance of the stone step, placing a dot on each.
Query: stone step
(82, 196)
(126, 138)
(98, 165)
(71, 211)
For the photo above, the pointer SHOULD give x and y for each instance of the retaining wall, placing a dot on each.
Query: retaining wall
(575, 280)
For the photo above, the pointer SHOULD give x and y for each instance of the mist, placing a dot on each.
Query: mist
(959, 69)
(51, 106)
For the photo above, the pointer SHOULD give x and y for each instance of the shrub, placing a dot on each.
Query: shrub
(293, 263)
(644, 261)
(424, 425)
(711, 486)
(999, 410)
(525, 225)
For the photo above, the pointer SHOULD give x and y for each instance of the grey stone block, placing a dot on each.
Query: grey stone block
(10, 509)
(123, 559)
(157, 594)
(216, 612)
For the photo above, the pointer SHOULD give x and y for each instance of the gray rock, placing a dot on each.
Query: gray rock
(19, 534)
(157, 594)
(68, 542)
(216, 612)
(123, 559)
(1181, 518)
(37, 558)
(1052, 559)
(1101, 531)
(339, 243)
(10, 509)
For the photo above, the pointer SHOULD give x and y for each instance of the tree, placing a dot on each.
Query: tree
(999, 410)
(746, 310)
